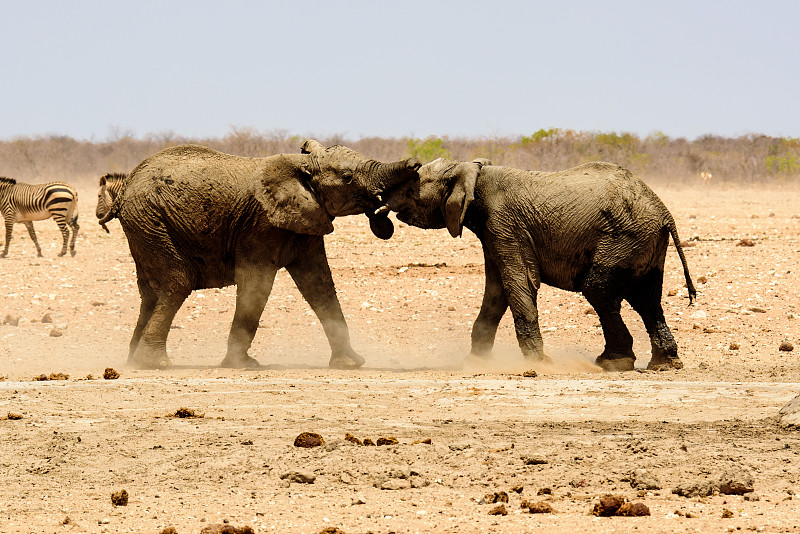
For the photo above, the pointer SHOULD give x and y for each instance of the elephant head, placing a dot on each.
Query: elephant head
(441, 195)
(347, 183)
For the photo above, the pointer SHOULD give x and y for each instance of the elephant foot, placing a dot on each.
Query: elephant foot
(664, 364)
(241, 362)
(349, 360)
(615, 365)
(155, 361)
(538, 357)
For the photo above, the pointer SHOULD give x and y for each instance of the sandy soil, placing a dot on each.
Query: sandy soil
(410, 303)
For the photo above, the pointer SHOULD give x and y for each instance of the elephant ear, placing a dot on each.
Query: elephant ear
(290, 205)
(462, 193)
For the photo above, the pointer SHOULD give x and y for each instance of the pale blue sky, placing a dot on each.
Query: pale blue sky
(88, 69)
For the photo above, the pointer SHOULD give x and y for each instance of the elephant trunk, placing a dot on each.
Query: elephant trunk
(389, 175)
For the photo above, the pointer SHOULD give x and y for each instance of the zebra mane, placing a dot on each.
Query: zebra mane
(5, 180)
(114, 176)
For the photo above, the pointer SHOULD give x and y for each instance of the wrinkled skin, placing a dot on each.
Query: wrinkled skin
(196, 218)
(594, 228)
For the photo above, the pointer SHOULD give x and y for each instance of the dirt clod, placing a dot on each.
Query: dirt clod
(368, 441)
(425, 441)
(352, 439)
(733, 346)
(169, 530)
(786, 346)
(51, 376)
(391, 440)
(726, 514)
(331, 530)
(55, 332)
(11, 320)
(500, 509)
(539, 507)
(110, 374)
(544, 491)
(746, 243)
(633, 509)
(47, 318)
(736, 481)
(14, 416)
(300, 477)
(119, 498)
(530, 373)
(496, 497)
(187, 413)
(608, 505)
(222, 528)
(308, 440)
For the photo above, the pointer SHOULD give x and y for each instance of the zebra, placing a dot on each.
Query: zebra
(25, 203)
(110, 185)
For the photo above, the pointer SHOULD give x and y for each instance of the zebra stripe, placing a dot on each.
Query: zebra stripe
(25, 203)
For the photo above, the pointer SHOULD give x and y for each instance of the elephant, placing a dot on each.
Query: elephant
(594, 229)
(196, 218)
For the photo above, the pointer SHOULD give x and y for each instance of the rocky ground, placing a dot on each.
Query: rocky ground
(478, 444)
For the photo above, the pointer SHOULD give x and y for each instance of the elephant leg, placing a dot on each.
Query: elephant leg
(493, 308)
(32, 233)
(645, 297)
(252, 292)
(601, 290)
(151, 352)
(146, 309)
(521, 285)
(312, 275)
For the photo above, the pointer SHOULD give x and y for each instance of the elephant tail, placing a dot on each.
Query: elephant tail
(673, 230)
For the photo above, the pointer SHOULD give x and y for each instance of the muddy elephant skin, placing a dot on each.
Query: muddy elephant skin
(595, 229)
(196, 218)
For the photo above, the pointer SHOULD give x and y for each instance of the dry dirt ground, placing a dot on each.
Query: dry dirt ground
(410, 303)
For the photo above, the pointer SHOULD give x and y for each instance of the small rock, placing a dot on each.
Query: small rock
(544, 491)
(589, 311)
(500, 509)
(530, 373)
(736, 481)
(110, 374)
(751, 496)
(633, 509)
(733, 346)
(701, 280)
(425, 441)
(746, 243)
(608, 505)
(757, 309)
(368, 441)
(55, 332)
(300, 477)
(14, 416)
(726, 514)
(104, 521)
(786, 346)
(700, 488)
(119, 498)
(308, 440)
(98, 303)
(47, 318)
(642, 479)
(11, 320)
(672, 292)
(169, 530)
(517, 489)
(395, 484)
(790, 414)
(391, 440)
(331, 530)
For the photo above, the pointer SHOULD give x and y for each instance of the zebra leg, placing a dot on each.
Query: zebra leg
(9, 229)
(32, 233)
(62, 225)
(75, 227)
